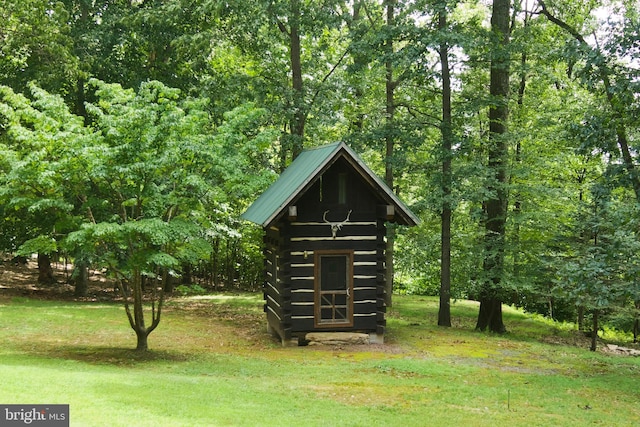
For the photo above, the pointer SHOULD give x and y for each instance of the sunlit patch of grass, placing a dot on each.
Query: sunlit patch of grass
(234, 300)
(247, 300)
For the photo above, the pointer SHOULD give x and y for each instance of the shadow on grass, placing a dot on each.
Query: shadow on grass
(104, 355)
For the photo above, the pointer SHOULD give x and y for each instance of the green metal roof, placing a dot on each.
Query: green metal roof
(302, 173)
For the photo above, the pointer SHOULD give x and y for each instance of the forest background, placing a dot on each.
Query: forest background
(133, 133)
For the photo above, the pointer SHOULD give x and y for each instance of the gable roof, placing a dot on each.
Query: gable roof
(304, 171)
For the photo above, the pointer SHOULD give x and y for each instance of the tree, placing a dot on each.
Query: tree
(43, 141)
(599, 274)
(444, 311)
(147, 185)
(389, 137)
(490, 314)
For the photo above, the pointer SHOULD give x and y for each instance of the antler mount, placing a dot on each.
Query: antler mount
(335, 226)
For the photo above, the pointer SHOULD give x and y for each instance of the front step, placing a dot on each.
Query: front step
(337, 338)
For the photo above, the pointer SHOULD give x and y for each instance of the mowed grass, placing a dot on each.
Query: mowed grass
(212, 363)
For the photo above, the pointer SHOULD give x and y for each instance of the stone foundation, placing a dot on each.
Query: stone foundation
(337, 338)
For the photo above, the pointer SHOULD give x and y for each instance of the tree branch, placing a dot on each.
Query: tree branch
(415, 112)
(282, 27)
(326, 77)
(560, 23)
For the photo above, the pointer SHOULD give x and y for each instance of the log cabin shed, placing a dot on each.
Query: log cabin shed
(325, 220)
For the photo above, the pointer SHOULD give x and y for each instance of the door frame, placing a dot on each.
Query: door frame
(318, 292)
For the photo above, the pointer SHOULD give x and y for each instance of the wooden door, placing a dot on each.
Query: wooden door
(333, 288)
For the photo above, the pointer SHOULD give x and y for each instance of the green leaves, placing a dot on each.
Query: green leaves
(37, 245)
(136, 188)
(36, 45)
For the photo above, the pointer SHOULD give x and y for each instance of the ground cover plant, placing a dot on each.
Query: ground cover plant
(214, 364)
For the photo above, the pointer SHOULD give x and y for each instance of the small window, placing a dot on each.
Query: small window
(342, 188)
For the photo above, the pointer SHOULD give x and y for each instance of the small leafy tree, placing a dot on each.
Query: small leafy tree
(146, 180)
(600, 275)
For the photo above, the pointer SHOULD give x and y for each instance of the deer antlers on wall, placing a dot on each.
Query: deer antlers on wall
(335, 226)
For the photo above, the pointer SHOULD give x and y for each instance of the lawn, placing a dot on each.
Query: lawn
(213, 364)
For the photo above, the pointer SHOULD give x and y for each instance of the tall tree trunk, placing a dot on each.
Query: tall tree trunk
(299, 114)
(45, 272)
(390, 109)
(81, 99)
(490, 314)
(80, 108)
(580, 318)
(444, 311)
(81, 278)
(359, 59)
(594, 332)
(517, 206)
(636, 323)
(187, 275)
(581, 180)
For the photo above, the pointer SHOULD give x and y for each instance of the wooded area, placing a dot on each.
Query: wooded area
(133, 133)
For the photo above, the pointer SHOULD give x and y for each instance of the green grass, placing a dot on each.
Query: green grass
(212, 363)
